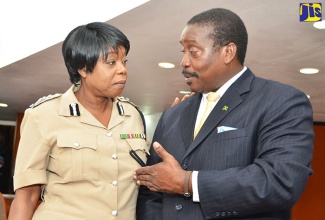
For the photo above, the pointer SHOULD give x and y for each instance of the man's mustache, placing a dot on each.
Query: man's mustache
(189, 74)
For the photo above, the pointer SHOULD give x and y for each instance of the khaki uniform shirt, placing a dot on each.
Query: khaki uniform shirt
(85, 167)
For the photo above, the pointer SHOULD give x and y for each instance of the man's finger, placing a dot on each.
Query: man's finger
(142, 171)
(163, 154)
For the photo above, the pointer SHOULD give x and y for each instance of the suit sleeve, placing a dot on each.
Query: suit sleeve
(278, 175)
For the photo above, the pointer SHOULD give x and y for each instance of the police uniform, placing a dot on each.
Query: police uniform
(85, 167)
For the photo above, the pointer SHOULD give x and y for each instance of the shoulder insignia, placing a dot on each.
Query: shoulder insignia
(123, 99)
(44, 99)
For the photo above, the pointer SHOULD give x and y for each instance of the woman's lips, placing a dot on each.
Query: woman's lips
(120, 83)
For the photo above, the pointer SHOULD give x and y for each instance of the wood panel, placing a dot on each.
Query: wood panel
(311, 205)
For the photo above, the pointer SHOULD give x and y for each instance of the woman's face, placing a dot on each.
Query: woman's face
(109, 76)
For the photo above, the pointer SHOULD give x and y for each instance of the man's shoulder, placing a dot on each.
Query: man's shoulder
(276, 85)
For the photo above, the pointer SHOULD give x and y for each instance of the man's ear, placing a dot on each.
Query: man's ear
(230, 52)
(83, 72)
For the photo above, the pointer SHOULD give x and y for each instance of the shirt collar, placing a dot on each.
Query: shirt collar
(225, 86)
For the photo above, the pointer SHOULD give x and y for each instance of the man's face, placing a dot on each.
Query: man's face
(203, 65)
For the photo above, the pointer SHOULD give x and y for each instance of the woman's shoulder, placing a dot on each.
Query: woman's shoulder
(45, 99)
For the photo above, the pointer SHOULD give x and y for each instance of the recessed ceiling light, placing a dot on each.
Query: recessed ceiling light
(185, 92)
(319, 24)
(309, 71)
(3, 105)
(166, 65)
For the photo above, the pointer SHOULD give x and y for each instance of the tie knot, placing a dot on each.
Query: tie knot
(213, 96)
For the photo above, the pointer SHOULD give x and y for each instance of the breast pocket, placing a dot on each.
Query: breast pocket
(78, 157)
(235, 147)
(232, 134)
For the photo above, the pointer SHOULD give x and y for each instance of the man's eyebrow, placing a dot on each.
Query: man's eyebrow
(188, 41)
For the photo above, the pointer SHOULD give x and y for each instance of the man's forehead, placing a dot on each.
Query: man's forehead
(195, 32)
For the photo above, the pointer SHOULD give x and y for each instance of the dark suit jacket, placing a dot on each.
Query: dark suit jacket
(257, 171)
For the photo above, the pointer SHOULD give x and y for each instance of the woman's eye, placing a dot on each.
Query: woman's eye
(111, 62)
(124, 62)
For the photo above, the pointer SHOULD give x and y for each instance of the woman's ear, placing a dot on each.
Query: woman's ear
(230, 52)
(82, 72)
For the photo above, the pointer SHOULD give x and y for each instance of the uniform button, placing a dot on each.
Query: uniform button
(179, 207)
(217, 214)
(234, 213)
(114, 213)
(223, 214)
(114, 156)
(115, 182)
(76, 144)
(109, 134)
(229, 213)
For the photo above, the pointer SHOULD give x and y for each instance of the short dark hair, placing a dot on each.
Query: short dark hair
(85, 44)
(227, 27)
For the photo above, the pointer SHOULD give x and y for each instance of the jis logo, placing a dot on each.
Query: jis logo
(310, 12)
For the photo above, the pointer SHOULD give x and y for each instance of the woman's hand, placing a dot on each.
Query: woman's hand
(177, 100)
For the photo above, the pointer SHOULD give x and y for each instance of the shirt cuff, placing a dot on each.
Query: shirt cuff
(195, 189)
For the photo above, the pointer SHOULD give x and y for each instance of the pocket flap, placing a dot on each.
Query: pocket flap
(77, 141)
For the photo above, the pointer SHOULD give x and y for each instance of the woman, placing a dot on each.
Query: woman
(74, 147)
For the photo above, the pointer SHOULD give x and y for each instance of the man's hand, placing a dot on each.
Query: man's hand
(167, 176)
(177, 100)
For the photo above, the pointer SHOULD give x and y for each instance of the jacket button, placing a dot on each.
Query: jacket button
(234, 213)
(223, 214)
(185, 166)
(179, 207)
(217, 214)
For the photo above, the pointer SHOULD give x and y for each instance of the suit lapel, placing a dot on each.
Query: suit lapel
(228, 102)
(188, 118)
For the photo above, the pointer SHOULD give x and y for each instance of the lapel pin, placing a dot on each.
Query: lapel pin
(225, 108)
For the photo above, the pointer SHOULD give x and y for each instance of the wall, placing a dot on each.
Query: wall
(311, 205)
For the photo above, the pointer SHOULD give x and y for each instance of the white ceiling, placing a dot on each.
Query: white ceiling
(279, 45)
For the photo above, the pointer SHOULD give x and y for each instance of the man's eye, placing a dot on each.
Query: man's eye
(124, 62)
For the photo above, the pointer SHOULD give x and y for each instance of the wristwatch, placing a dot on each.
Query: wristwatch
(187, 194)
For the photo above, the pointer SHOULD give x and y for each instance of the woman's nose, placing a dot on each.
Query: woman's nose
(121, 69)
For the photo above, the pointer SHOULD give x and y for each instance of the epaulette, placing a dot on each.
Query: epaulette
(121, 111)
(44, 99)
(123, 99)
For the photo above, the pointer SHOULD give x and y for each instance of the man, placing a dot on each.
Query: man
(251, 158)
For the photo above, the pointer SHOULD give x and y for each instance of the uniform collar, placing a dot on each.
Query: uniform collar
(69, 97)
